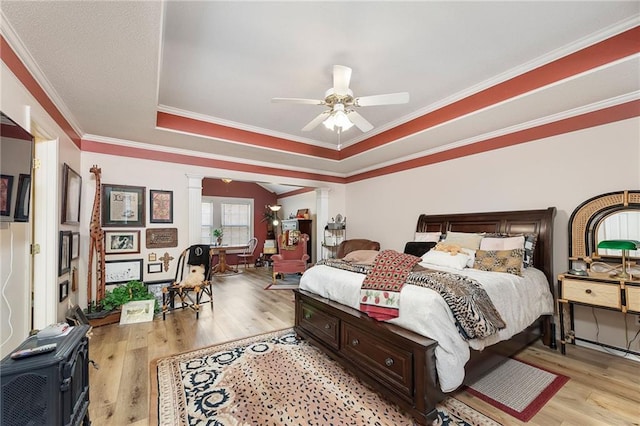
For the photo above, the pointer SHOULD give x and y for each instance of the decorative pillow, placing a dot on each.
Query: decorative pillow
(428, 237)
(464, 239)
(509, 261)
(529, 245)
(505, 243)
(361, 257)
(442, 258)
(418, 248)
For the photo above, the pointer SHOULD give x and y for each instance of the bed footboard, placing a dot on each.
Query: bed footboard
(397, 363)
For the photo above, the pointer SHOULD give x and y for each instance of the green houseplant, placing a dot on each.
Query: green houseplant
(133, 290)
(107, 310)
(218, 233)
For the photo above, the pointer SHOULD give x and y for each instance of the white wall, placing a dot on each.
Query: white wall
(17, 265)
(166, 176)
(561, 171)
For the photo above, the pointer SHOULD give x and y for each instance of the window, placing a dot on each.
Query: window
(233, 215)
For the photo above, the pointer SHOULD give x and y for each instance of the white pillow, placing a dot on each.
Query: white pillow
(468, 240)
(472, 256)
(443, 258)
(428, 237)
(508, 243)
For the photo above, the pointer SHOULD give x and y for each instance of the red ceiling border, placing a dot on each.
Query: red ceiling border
(16, 66)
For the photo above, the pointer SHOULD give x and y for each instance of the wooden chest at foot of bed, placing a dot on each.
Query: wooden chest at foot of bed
(398, 363)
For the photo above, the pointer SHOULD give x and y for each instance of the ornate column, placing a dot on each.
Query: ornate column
(194, 187)
(322, 217)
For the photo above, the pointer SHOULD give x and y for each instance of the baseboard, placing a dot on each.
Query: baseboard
(622, 353)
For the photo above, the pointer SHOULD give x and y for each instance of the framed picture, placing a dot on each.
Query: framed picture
(154, 268)
(74, 279)
(24, 198)
(76, 316)
(75, 245)
(6, 186)
(137, 311)
(155, 287)
(123, 271)
(63, 290)
(64, 253)
(123, 205)
(160, 206)
(71, 190)
(121, 242)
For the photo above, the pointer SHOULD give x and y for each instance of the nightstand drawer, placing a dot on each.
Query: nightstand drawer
(633, 298)
(592, 293)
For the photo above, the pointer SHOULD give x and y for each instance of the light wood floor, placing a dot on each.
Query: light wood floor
(603, 390)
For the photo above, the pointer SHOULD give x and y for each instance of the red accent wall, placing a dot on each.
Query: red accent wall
(261, 197)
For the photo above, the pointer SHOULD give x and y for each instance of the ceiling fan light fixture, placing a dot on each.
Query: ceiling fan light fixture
(338, 118)
(342, 121)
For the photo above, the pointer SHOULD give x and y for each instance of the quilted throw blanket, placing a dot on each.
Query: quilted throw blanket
(473, 310)
(380, 291)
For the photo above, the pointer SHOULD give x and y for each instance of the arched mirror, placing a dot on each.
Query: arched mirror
(610, 216)
(621, 225)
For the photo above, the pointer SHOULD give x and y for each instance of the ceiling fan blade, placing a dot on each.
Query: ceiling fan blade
(389, 99)
(298, 101)
(359, 121)
(314, 123)
(341, 79)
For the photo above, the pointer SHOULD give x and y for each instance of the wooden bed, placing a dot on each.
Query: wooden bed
(400, 364)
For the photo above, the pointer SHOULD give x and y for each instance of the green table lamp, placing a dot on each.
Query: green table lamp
(623, 245)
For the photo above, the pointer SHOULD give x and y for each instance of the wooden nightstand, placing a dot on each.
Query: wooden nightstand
(597, 290)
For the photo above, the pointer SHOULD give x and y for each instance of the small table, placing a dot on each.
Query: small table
(221, 267)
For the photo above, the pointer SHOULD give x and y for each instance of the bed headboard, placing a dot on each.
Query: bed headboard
(538, 222)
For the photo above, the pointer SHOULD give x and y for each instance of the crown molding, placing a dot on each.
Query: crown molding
(32, 66)
(190, 153)
(596, 106)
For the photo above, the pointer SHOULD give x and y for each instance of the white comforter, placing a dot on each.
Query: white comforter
(520, 300)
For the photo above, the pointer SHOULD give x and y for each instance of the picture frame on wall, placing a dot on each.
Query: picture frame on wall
(64, 253)
(121, 242)
(123, 205)
(160, 206)
(63, 292)
(6, 188)
(71, 194)
(24, 198)
(75, 245)
(123, 271)
(154, 268)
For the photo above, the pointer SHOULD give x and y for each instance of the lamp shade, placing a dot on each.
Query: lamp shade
(619, 244)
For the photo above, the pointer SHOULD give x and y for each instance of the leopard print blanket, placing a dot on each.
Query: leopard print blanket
(476, 316)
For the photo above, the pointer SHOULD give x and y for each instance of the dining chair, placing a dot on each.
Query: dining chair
(247, 256)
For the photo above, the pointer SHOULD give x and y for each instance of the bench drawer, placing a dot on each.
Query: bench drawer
(392, 364)
(320, 324)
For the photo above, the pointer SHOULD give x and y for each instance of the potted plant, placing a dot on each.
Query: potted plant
(107, 310)
(218, 233)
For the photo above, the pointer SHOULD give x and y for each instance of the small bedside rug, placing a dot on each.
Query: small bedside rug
(285, 282)
(517, 388)
(274, 379)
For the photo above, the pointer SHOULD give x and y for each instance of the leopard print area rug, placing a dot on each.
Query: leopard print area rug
(274, 379)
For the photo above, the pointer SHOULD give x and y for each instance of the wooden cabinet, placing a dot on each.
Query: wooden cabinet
(597, 290)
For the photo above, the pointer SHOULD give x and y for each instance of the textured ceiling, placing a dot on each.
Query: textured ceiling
(111, 66)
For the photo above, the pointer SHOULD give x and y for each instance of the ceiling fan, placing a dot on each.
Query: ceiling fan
(342, 104)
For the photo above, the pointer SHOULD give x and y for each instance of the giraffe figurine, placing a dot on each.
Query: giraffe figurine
(96, 243)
